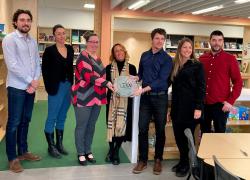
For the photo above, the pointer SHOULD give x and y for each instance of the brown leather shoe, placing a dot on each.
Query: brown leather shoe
(139, 167)
(15, 166)
(29, 156)
(157, 167)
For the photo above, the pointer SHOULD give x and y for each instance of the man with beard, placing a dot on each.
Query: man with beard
(23, 63)
(221, 68)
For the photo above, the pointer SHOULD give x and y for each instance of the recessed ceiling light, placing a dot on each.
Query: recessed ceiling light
(241, 1)
(208, 9)
(138, 4)
(89, 6)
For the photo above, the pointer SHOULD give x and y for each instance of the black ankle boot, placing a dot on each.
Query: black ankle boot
(59, 140)
(116, 158)
(109, 157)
(52, 150)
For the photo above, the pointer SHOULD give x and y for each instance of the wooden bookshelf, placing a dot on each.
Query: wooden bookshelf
(3, 94)
(246, 78)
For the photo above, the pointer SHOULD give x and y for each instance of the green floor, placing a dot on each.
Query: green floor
(38, 145)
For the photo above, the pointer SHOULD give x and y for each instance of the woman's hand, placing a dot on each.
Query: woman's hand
(138, 92)
(134, 78)
(197, 114)
(110, 86)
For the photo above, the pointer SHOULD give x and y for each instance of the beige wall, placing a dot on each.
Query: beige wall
(29, 5)
(8, 7)
(5, 14)
(135, 43)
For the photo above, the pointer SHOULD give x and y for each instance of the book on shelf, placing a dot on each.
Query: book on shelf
(76, 48)
(41, 37)
(75, 38)
(41, 47)
(82, 40)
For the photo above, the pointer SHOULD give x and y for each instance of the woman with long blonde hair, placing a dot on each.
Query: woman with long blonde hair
(188, 92)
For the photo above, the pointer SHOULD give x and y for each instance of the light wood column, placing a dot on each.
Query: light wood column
(102, 26)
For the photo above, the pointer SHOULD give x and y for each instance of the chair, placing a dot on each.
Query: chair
(221, 173)
(195, 164)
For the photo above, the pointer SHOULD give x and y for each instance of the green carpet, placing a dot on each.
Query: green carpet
(38, 144)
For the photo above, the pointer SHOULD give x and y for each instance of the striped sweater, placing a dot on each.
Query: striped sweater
(90, 82)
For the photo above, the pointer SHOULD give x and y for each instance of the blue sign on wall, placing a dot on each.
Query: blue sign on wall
(1, 27)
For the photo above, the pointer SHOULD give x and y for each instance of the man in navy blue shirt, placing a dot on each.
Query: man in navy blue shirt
(154, 69)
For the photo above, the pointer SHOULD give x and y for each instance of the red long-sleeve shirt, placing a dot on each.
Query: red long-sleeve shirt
(219, 70)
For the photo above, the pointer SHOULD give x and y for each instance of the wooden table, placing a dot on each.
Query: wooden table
(225, 145)
(239, 167)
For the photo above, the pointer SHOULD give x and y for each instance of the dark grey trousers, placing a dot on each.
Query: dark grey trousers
(86, 118)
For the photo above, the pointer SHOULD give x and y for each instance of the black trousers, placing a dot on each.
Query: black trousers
(181, 139)
(156, 106)
(213, 112)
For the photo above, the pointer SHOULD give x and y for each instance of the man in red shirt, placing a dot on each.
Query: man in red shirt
(223, 84)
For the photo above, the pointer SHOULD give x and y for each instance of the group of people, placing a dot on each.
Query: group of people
(203, 90)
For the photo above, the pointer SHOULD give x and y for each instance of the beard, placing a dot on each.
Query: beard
(24, 29)
(216, 48)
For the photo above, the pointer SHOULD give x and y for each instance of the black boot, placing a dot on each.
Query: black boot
(59, 140)
(116, 158)
(52, 150)
(109, 157)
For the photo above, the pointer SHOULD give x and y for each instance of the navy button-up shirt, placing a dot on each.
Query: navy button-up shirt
(154, 70)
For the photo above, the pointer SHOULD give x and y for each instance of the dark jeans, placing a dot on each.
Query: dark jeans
(213, 112)
(20, 106)
(181, 139)
(156, 106)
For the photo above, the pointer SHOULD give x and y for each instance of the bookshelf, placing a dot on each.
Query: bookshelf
(45, 38)
(3, 94)
(201, 45)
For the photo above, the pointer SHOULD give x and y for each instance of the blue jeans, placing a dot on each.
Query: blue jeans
(20, 106)
(58, 106)
(152, 106)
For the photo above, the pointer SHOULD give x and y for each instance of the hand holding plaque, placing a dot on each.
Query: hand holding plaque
(125, 86)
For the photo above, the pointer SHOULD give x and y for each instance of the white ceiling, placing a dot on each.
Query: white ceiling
(174, 6)
(65, 4)
(187, 6)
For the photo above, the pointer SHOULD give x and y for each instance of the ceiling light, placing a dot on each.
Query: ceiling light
(89, 6)
(208, 9)
(241, 1)
(138, 4)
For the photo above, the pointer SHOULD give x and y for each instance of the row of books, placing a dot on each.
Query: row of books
(49, 37)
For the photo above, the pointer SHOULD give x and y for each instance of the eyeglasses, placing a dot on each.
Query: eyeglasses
(94, 42)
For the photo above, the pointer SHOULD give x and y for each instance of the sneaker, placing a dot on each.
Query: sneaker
(157, 167)
(29, 157)
(139, 167)
(15, 166)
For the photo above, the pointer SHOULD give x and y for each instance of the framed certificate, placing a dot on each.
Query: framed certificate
(125, 86)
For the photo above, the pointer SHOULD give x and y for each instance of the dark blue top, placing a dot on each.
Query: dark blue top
(154, 70)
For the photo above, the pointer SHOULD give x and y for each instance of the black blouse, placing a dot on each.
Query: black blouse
(56, 68)
(188, 92)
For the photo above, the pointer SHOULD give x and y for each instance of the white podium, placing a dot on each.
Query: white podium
(131, 148)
